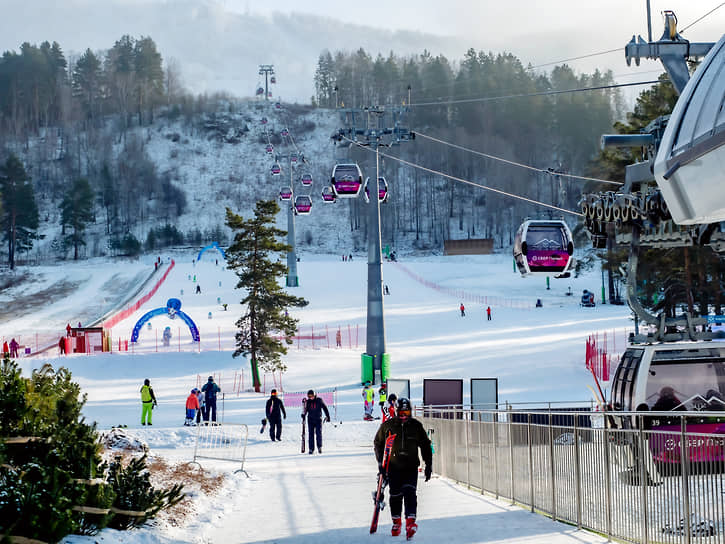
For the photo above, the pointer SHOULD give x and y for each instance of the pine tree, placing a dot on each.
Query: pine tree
(77, 212)
(255, 255)
(87, 83)
(19, 210)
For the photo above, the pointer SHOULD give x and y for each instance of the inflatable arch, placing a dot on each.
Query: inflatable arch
(213, 245)
(172, 310)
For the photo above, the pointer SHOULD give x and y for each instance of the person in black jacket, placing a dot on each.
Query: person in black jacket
(403, 462)
(314, 406)
(274, 411)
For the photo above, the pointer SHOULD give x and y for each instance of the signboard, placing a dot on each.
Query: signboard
(400, 388)
(443, 393)
(484, 396)
(719, 319)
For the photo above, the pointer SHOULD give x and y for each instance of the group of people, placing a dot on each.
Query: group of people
(201, 403)
(386, 403)
(10, 350)
(346, 258)
(462, 308)
(312, 409)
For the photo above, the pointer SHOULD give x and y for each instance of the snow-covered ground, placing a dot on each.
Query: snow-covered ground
(537, 354)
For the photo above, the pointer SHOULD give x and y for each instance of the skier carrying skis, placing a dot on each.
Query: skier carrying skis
(368, 395)
(274, 411)
(314, 406)
(402, 469)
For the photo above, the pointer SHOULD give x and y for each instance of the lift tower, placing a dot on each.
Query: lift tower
(266, 70)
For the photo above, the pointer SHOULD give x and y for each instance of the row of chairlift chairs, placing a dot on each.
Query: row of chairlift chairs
(346, 182)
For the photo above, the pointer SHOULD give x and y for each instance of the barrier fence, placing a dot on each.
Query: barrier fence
(222, 442)
(294, 400)
(603, 351)
(133, 308)
(608, 473)
(465, 296)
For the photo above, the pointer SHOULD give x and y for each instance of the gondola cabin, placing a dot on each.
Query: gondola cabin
(273, 79)
(303, 205)
(284, 132)
(264, 120)
(674, 377)
(690, 162)
(260, 91)
(544, 248)
(306, 179)
(293, 159)
(382, 190)
(276, 169)
(285, 193)
(278, 105)
(328, 195)
(269, 149)
(346, 180)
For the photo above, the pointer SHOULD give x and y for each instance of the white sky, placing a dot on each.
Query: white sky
(241, 33)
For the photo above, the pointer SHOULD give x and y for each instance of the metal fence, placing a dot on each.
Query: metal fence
(222, 442)
(610, 474)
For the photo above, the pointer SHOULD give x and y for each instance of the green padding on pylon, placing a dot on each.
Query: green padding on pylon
(366, 368)
(384, 367)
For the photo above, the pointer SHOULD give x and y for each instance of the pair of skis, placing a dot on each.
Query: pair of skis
(379, 494)
(304, 413)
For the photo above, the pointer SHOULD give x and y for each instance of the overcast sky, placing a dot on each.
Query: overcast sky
(219, 42)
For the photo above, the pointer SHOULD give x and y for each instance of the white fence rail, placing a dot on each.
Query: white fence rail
(222, 442)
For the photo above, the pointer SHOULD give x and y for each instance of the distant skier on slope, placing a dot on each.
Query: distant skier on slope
(403, 465)
(463, 310)
(314, 406)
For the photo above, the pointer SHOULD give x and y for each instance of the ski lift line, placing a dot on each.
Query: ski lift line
(701, 18)
(467, 182)
(577, 58)
(514, 163)
(525, 95)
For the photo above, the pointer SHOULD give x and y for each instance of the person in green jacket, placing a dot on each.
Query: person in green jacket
(148, 401)
(402, 467)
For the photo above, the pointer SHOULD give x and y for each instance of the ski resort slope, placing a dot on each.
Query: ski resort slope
(537, 354)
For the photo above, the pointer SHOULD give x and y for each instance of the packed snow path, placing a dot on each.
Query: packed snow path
(319, 499)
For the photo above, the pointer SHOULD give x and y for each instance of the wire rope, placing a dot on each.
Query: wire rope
(702, 17)
(540, 93)
(514, 163)
(465, 181)
(575, 58)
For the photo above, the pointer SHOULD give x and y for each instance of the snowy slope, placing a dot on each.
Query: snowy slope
(537, 354)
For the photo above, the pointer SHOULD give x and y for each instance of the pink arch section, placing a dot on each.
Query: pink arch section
(130, 310)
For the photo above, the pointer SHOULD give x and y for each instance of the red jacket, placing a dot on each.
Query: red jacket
(192, 402)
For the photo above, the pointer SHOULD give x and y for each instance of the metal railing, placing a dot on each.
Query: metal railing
(222, 442)
(610, 473)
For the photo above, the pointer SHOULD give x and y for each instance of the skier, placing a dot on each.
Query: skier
(192, 405)
(148, 401)
(166, 336)
(202, 407)
(488, 313)
(210, 390)
(338, 338)
(389, 411)
(402, 473)
(368, 395)
(14, 348)
(198, 289)
(463, 310)
(6, 349)
(382, 397)
(274, 412)
(387, 291)
(68, 329)
(61, 345)
(314, 406)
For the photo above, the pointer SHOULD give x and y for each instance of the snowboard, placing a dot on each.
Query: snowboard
(379, 493)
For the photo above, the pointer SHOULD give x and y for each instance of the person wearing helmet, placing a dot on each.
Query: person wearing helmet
(403, 462)
(148, 401)
(382, 398)
(274, 412)
(389, 412)
(210, 390)
(313, 408)
(368, 395)
(192, 405)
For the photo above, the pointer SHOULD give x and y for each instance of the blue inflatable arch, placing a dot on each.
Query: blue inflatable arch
(172, 310)
(213, 245)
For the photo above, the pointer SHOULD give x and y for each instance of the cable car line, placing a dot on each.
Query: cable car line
(701, 18)
(576, 58)
(468, 182)
(541, 93)
(514, 163)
